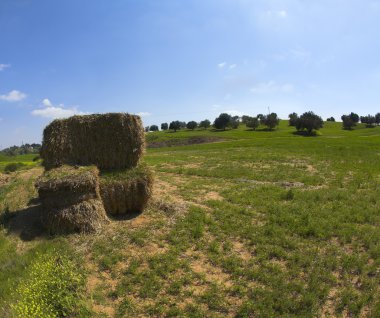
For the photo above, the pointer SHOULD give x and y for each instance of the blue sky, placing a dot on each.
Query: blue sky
(185, 60)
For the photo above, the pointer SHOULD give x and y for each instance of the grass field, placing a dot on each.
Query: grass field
(256, 224)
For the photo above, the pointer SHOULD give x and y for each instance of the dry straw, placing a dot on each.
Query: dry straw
(85, 217)
(70, 199)
(109, 141)
(126, 191)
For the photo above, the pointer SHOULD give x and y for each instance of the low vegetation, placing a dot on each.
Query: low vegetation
(260, 224)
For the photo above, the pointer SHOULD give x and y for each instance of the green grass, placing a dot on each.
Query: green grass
(25, 160)
(261, 224)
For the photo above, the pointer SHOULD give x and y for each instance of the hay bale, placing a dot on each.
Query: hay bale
(109, 141)
(68, 185)
(71, 200)
(126, 191)
(83, 217)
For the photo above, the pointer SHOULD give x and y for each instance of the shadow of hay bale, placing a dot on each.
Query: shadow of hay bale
(125, 217)
(26, 223)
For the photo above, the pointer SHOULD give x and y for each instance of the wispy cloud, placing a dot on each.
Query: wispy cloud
(272, 87)
(46, 102)
(222, 65)
(13, 96)
(4, 66)
(144, 114)
(232, 66)
(48, 110)
(282, 14)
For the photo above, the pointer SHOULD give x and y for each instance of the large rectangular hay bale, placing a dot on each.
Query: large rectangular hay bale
(109, 141)
(68, 185)
(126, 191)
(71, 200)
(83, 217)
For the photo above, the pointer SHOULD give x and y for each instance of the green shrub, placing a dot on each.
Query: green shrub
(12, 167)
(51, 289)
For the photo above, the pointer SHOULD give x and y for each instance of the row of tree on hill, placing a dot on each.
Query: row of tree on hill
(21, 150)
(351, 120)
(307, 122)
(222, 122)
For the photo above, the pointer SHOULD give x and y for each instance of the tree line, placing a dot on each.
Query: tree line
(21, 150)
(307, 123)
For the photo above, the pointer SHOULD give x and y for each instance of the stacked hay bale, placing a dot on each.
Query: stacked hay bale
(114, 143)
(126, 190)
(108, 141)
(71, 199)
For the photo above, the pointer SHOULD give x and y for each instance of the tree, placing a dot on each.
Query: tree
(260, 116)
(146, 129)
(182, 124)
(164, 126)
(205, 124)
(332, 119)
(192, 125)
(354, 117)
(310, 122)
(245, 118)
(293, 117)
(234, 122)
(222, 121)
(271, 121)
(377, 118)
(153, 128)
(175, 125)
(253, 122)
(348, 123)
(369, 120)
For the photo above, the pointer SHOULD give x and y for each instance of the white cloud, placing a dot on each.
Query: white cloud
(272, 87)
(232, 66)
(282, 14)
(4, 66)
(222, 65)
(53, 112)
(46, 102)
(13, 96)
(144, 114)
(216, 106)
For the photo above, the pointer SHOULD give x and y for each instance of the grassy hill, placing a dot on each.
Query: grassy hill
(254, 224)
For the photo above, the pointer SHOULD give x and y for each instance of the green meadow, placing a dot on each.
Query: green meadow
(254, 224)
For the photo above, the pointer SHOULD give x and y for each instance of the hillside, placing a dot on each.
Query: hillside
(243, 224)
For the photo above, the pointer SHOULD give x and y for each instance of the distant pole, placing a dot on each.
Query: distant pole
(268, 110)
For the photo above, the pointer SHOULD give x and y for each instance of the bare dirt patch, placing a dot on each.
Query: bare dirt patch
(212, 195)
(240, 249)
(199, 264)
(4, 179)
